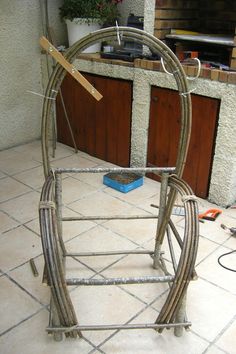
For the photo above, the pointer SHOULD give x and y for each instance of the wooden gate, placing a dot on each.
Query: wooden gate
(164, 131)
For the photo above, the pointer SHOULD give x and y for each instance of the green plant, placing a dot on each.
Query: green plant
(105, 11)
(109, 12)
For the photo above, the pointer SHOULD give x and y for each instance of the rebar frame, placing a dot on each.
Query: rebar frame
(172, 315)
(55, 254)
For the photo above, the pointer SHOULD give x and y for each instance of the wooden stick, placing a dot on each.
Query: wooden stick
(45, 44)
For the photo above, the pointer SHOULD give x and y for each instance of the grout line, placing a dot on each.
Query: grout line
(23, 289)
(220, 334)
(120, 287)
(21, 225)
(31, 230)
(120, 235)
(211, 253)
(129, 203)
(216, 285)
(15, 197)
(82, 233)
(210, 346)
(97, 349)
(20, 265)
(22, 321)
(19, 196)
(130, 320)
(22, 171)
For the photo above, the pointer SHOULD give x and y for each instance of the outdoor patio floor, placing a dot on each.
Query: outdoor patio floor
(211, 301)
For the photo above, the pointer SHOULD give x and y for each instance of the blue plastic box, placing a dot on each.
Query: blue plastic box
(124, 182)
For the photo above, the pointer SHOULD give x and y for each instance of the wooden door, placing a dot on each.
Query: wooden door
(101, 129)
(164, 131)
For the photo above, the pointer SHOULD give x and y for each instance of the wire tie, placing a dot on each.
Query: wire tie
(164, 68)
(39, 94)
(118, 33)
(198, 70)
(53, 173)
(47, 205)
(185, 94)
(192, 197)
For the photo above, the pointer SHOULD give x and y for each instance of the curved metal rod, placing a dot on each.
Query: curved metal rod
(157, 47)
(188, 254)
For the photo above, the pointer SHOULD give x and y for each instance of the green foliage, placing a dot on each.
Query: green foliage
(105, 11)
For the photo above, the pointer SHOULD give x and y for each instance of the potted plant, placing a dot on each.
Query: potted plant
(85, 16)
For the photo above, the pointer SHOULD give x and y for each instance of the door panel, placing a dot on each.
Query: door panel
(164, 132)
(102, 129)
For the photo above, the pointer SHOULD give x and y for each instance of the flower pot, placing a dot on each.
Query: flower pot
(80, 27)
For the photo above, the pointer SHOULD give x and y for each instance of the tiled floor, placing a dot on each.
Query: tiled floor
(211, 303)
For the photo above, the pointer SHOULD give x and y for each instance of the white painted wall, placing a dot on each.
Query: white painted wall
(20, 68)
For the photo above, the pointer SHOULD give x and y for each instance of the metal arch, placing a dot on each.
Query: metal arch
(157, 47)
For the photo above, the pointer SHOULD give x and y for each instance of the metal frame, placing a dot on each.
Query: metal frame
(62, 315)
(55, 254)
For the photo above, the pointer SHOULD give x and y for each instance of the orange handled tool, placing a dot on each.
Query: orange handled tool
(210, 214)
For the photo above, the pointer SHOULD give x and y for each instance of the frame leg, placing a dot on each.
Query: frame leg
(180, 318)
(54, 321)
(161, 216)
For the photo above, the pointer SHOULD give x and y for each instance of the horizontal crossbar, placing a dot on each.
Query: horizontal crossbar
(119, 326)
(107, 253)
(114, 170)
(118, 281)
(114, 217)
